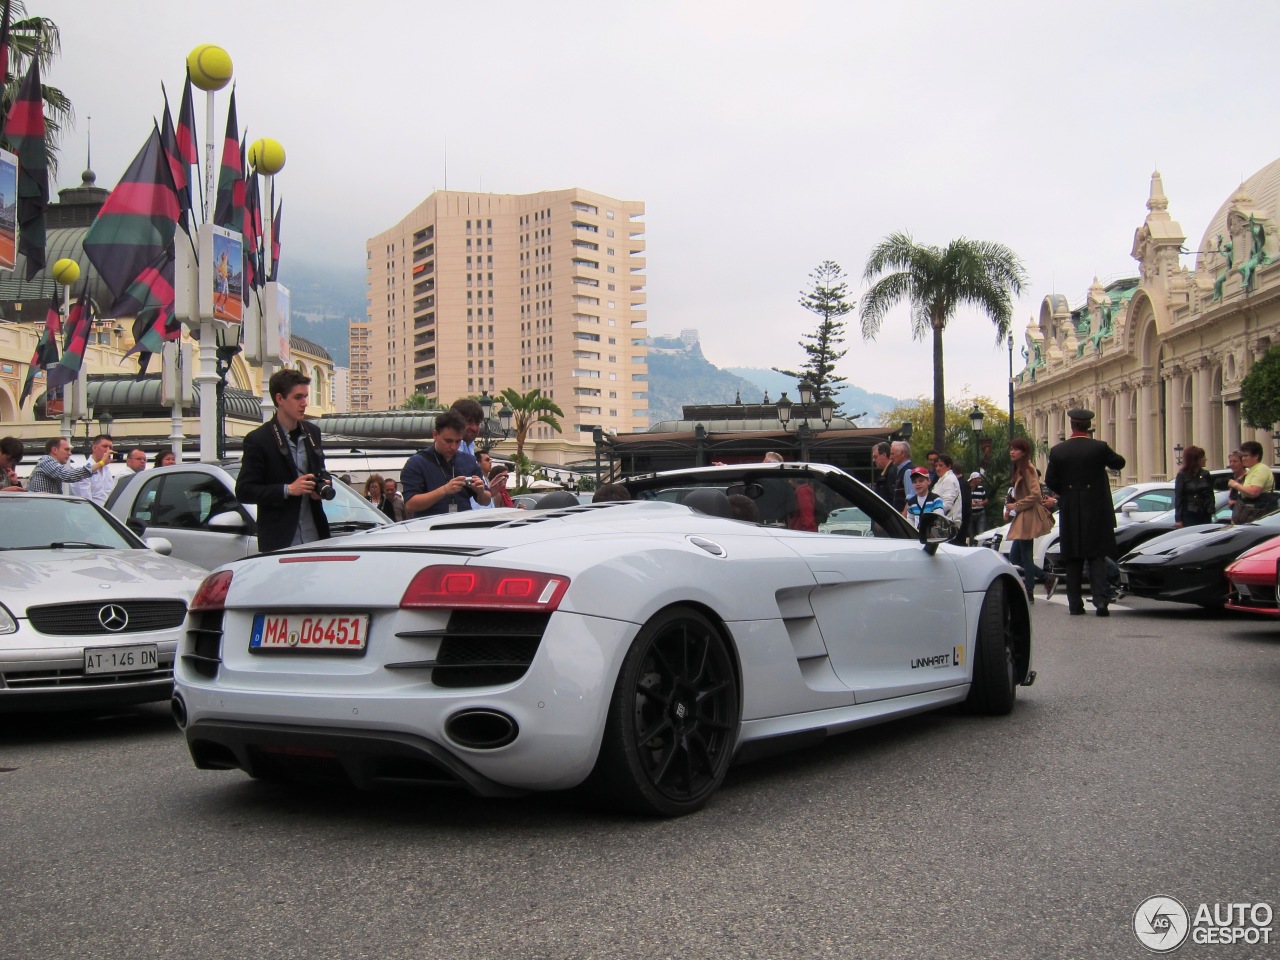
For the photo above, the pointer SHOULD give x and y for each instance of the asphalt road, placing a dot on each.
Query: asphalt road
(1142, 762)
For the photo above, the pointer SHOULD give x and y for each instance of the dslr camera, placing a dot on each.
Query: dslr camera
(324, 485)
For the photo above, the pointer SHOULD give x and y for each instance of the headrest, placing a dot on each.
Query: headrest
(706, 500)
(557, 500)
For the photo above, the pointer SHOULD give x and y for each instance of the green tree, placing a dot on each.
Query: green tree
(37, 37)
(420, 401)
(528, 409)
(827, 297)
(524, 468)
(1260, 392)
(936, 281)
(959, 442)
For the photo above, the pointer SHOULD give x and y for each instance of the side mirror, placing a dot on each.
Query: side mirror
(935, 529)
(1129, 508)
(160, 545)
(229, 522)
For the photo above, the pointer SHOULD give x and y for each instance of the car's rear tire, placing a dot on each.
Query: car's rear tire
(673, 719)
(995, 682)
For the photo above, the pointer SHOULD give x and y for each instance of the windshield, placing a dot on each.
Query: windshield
(32, 522)
(795, 498)
(347, 509)
(1121, 495)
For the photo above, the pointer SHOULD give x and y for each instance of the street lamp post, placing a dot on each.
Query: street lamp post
(975, 423)
(805, 434)
(1011, 389)
(487, 434)
(227, 339)
(1177, 453)
(597, 437)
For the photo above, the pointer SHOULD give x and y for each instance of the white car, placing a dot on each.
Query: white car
(638, 645)
(194, 507)
(89, 614)
(1133, 503)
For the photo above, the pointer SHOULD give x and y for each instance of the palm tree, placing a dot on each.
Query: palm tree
(420, 401)
(38, 37)
(937, 281)
(528, 409)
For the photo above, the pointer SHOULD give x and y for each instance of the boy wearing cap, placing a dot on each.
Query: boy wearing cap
(921, 501)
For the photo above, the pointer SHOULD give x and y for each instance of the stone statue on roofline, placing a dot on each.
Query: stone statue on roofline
(1257, 253)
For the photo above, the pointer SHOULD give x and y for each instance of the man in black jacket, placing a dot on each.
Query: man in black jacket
(283, 469)
(1077, 473)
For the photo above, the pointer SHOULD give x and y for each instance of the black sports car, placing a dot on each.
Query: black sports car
(1189, 566)
(1130, 536)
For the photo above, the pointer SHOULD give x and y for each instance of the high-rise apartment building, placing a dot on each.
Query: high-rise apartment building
(360, 379)
(473, 292)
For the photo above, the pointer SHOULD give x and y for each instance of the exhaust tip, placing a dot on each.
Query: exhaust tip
(179, 710)
(481, 729)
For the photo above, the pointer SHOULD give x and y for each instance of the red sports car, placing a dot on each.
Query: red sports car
(1253, 576)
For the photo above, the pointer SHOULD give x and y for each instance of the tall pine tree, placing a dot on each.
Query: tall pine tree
(827, 298)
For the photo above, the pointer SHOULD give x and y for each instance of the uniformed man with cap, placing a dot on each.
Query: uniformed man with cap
(1077, 473)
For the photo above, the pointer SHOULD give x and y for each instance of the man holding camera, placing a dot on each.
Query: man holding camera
(283, 470)
(443, 478)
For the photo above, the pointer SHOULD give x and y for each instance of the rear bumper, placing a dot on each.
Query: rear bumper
(363, 758)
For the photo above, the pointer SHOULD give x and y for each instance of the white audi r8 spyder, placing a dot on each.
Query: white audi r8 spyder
(90, 614)
(635, 647)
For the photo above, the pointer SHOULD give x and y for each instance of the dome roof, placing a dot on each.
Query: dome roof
(1263, 191)
(60, 242)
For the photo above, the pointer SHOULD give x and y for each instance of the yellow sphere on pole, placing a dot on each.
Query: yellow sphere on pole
(210, 67)
(66, 271)
(266, 156)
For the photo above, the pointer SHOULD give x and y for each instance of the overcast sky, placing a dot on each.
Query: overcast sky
(763, 138)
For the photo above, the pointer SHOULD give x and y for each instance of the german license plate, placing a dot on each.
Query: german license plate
(295, 631)
(121, 659)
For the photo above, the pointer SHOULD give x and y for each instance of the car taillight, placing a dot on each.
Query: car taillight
(212, 594)
(490, 588)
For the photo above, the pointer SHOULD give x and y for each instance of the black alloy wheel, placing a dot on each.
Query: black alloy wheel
(673, 720)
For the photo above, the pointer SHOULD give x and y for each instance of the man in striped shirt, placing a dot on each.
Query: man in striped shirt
(51, 471)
